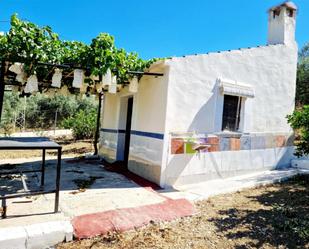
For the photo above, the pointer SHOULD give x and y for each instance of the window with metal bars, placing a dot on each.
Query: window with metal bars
(231, 113)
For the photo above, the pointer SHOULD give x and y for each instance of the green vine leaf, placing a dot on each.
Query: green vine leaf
(30, 44)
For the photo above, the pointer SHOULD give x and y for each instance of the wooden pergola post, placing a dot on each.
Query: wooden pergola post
(97, 132)
(2, 86)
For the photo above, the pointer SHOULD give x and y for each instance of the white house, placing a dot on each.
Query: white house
(210, 115)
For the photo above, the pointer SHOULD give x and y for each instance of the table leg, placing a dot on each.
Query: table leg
(43, 168)
(4, 207)
(58, 181)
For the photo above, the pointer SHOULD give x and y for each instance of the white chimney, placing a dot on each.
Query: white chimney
(281, 23)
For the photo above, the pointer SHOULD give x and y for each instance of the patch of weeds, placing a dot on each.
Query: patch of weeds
(291, 222)
(302, 180)
(292, 214)
(79, 159)
(86, 183)
(75, 171)
(111, 237)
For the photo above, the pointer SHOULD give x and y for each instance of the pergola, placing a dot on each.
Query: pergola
(8, 79)
(34, 59)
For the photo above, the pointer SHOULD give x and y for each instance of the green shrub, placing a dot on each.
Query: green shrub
(7, 128)
(82, 123)
(40, 110)
(299, 121)
(302, 80)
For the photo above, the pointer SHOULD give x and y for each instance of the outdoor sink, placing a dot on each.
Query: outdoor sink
(200, 146)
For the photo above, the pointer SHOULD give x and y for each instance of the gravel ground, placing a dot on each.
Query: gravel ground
(275, 216)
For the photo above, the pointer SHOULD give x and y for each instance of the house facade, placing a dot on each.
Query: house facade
(210, 115)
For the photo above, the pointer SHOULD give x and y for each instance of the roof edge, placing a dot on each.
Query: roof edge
(225, 51)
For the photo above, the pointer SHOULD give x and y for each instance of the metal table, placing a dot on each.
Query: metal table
(32, 143)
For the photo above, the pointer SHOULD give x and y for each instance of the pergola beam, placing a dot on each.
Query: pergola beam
(68, 66)
(144, 73)
(61, 65)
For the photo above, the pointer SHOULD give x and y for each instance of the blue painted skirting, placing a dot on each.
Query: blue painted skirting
(137, 133)
(112, 130)
(148, 134)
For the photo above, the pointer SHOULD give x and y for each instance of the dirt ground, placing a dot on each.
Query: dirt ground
(70, 148)
(275, 216)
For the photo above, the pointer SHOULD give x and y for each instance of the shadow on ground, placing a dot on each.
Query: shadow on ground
(86, 187)
(280, 218)
(76, 174)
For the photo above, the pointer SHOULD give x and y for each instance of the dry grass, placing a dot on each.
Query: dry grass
(70, 148)
(275, 216)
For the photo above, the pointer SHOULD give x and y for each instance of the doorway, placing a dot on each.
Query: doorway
(128, 131)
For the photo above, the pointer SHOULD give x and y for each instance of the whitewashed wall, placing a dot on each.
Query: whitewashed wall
(149, 112)
(109, 127)
(148, 125)
(195, 104)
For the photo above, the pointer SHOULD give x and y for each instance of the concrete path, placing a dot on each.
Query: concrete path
(204, 190)
(88, 194)
(94, 201)
(85, 189)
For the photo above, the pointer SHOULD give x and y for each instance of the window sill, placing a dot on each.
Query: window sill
(235, 134)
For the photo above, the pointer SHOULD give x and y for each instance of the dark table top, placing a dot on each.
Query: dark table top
(24, 143)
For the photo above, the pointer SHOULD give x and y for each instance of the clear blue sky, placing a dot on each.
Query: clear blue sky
(158, 28)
